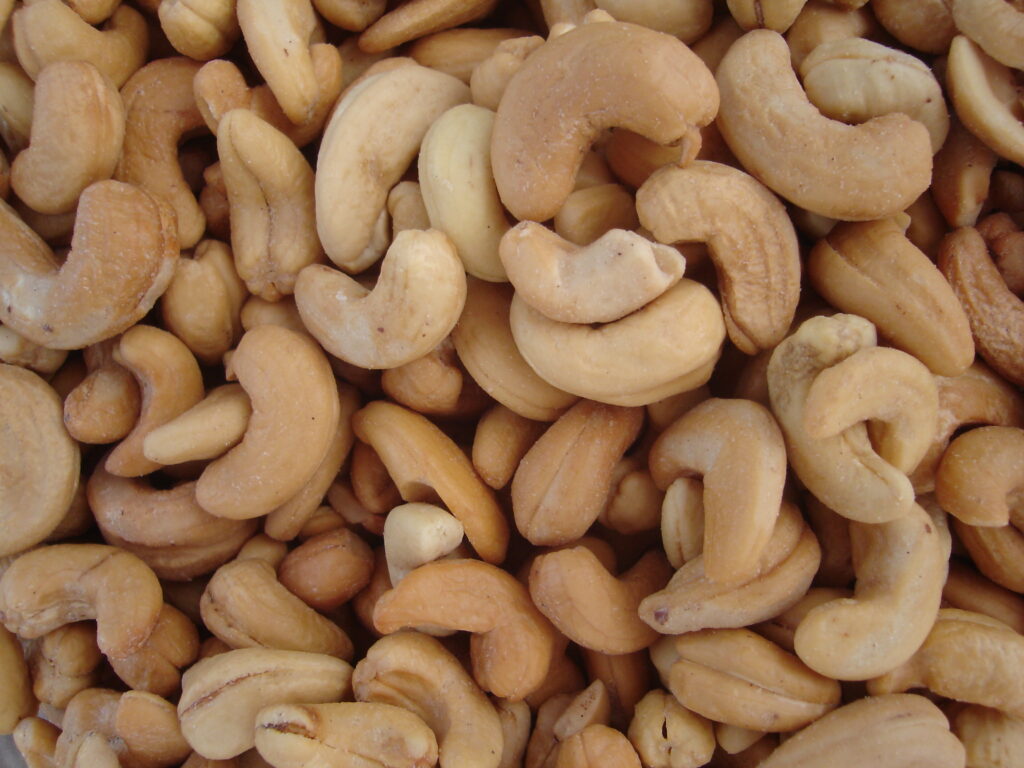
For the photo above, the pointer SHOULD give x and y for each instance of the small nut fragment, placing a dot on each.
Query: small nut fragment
(415, 534)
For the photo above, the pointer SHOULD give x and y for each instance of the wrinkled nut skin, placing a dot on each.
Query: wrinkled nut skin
(980, 473)
(623, 75)
(39, 461)
(855, 173)
(512, 644)
(667, 735)
(221, 696)
(123, 253)
(737, 449)
(59, 584)
(750, 239)
(19, 701)
(346, 735)
(563, 481)
(885, 731)
(415, 672)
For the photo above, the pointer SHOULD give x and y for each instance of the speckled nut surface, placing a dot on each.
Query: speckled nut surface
(623, 76)
(38, 459)
(855, 173)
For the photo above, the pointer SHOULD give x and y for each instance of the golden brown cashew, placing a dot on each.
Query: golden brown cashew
(501, 440)
(200, 29)
(592, 607)
(36, 739)
(736, 447)
(667, 347)
(48, 30)
(415, 672)
(458, 52)
(756, 14)
(868, 171)
(205, 431)
(436, 384)
(78, 124)
(968, 657)
(597, 745)
(623, 76)
(980, 472)
(328, 569)
(274, 459)
(346, 735)
(417, 18)
(40, 461)
(63, 583)
(62, 663)
(124, 245)
(998, 27)
(359, 163)
(171, 383)
(667, 735)
(423, 462)
(104, 406)
(94, 11)
(901, 567)
(512, 643)
(414, 305)
(222, 695)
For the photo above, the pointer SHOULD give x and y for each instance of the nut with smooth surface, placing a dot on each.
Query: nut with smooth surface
(327, 570)
(200, 29)
(205, 431)
(998, 27)
(415, 534)
(417, 18)
(980, 473)
(19, 701)
(156, 666)
(62, 663)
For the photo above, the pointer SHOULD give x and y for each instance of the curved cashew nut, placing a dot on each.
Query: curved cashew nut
(512, 644)
(46, 31)
(691, 601)
(221, 696)
(491, 76)
(124, 250)
(417, 673)
(19, 701)
(78, 125)
(353, 15)
(166, 529)
(423, 461)
(359, 163)
(328, 569)
(737, 447)
(243, 593)
(41, 462)
(622, 75)
(592, 607)
(95, 11)
(200, 29)
(274, 460)
(415, 534)
(62, 663)
(59, 584)
(855, 173)
(418, 18)
(458, 188)
(171, 383)
(996, 26)
(854, 80)
(205, 431)
(617, 274)
(105, 405)
(667, 347)
(414, 305)
(270, 192)
(750, 239)
(156, 666)
(901, 567)
(667, 735)
(502, 439)
(979, 473)
(17, 97)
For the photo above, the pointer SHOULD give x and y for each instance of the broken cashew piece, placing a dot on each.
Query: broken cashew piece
(997, 26)
(415, 534)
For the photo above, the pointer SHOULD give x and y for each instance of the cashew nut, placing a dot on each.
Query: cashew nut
(19, 701)
(156, 666)
(458, 52)
(979, 473)
(967, 589)
(415, 534)
(436, 384)
(998, 27)
(104, 406)
(963, 170)
(62, 663)
(421, 17)
(502, 439)
(491, 76)
(667, 735)
(926, 25)
(205, 431)
(200, 29)
(327, 570)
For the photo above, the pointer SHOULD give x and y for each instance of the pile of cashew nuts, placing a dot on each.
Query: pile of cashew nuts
(550, 384)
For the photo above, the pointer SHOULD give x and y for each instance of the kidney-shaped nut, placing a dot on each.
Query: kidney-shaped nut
(274, 459)
(998, 27)
(270, 191)
(423, 461)
(222, 695)
(48, 30)
(199, 29)
(156, 666)
(344, 735)
(861, 172)
(417, 18)
(854, 80)
(735, 676)
(668, 346)
(980, 472)
(885, 731)
(667, 735)
(967, 657)
(901, 566)
(122, 257)
(365, 151)
(418, 533)
(328, 569)
(750, 239)
(243, 594)
(59, 584)
(414, 305)
(615, 275)
(512, 644)
(592, 607)
(62, 663)
(691, 601)
(622, 75)
(39, 460)
(417, 673)
(78, 124)
(738, 450)
(205, 431)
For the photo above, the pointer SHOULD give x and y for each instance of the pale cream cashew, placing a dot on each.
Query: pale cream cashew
(365, 151)
(458, 52)
(926, 25)
(205, 431)
(593, 209)
(353, 15)
(200, 29)
(414, 305)
(967, 589)
(62, 663)
(777, 15)
(988, 735)
(998, 27)
(855, 173)
(415, 534)
(821, 22)
(270, 193)
(19, 701)
(623, 75)
(417, 18)
(491, 76)
(682, 520)
(667, 735)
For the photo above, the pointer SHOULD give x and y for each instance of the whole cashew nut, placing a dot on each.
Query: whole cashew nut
(421, 17)
(980, 473)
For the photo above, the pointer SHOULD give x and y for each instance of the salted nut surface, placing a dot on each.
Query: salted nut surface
(512, 383)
